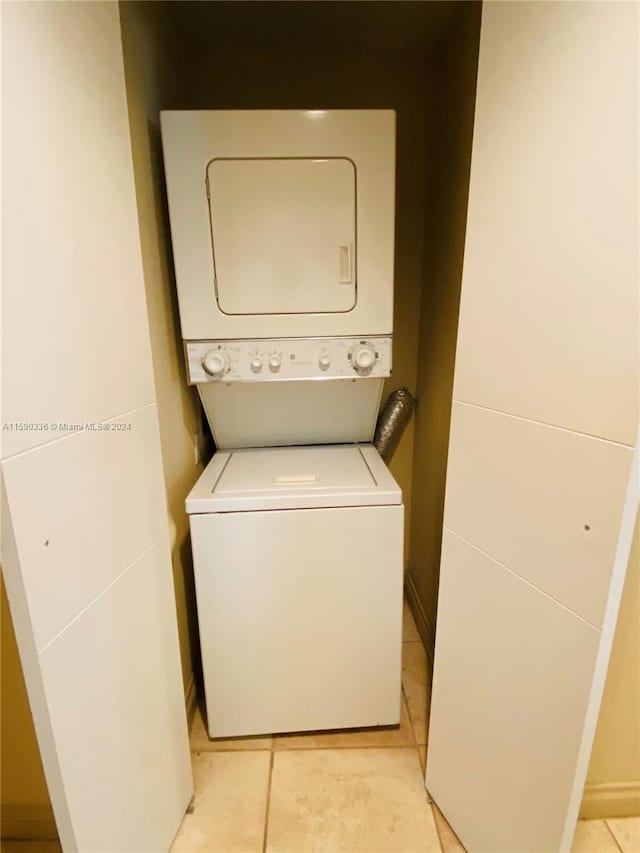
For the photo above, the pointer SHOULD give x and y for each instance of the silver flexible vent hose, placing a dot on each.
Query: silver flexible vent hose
(394, 417)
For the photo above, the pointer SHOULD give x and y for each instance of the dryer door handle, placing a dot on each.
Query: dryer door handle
(344, 263)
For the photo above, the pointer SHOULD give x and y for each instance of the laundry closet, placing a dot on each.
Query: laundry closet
(418, 59)
(293, 312)
(503, 115)
(421, 60)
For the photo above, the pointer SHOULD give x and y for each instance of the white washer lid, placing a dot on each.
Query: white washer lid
(293, 478)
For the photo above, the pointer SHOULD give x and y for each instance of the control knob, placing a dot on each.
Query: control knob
(324, 361)
(216, 363)
(274, 363)
(363, 358)
(256, 363)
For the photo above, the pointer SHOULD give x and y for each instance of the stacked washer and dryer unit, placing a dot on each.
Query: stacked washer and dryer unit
(282, 226)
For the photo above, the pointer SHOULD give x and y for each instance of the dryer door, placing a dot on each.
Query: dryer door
(283, 234)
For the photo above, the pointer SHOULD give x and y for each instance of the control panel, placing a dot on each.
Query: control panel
(284, 359)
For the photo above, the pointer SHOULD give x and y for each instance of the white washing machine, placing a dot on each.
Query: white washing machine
(298, 570)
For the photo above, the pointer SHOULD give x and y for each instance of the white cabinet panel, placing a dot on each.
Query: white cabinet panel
(549, 311)
(117, 713)
(512, 678)
(523, 493)
(83, 509)
(75, 341)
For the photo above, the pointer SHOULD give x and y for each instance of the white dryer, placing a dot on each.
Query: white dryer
(298, 571)
(282, 221)
(282, 225)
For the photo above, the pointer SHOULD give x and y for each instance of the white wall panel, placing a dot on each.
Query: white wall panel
(544, 421)
(523, 493)
(549, 311)
(512, 677)
(75, 335)
(122, 736)
(87, 567)
(84, 508)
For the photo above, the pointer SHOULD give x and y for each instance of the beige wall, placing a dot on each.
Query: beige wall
(613, 780)
(25, 811)
(150, 79)
(452, 75)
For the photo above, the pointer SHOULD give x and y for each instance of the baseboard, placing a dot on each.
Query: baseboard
(191, 700)
(423, 623)
(27, 822)
(611, 799)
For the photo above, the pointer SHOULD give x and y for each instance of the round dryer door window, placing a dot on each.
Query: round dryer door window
(284, 234)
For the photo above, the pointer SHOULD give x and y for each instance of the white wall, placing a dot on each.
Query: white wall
(85, 550)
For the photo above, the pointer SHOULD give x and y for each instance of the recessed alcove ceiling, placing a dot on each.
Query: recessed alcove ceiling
(406, 29)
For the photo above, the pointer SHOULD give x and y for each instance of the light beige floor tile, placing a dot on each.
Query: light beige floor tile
(448, 839)
(352, 800)
(416, 684)
(409, 629)
(201, 742)
(592, 836)
(30, 847)
(626, 831)
(401, 735)
(229, 805)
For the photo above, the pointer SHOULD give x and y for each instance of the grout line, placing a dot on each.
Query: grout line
(208, 750)
(523, 579)
(268, 803)
(73, 433)
(613, 835)
(407, 642)
(413, 731)
(336, 748)
(104, 590)
(543, 423)
(416, 745)
(433, 812)
(315, 748)
(411, 726)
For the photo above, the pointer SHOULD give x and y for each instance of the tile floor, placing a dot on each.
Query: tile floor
(359, 790)
(344, 791)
